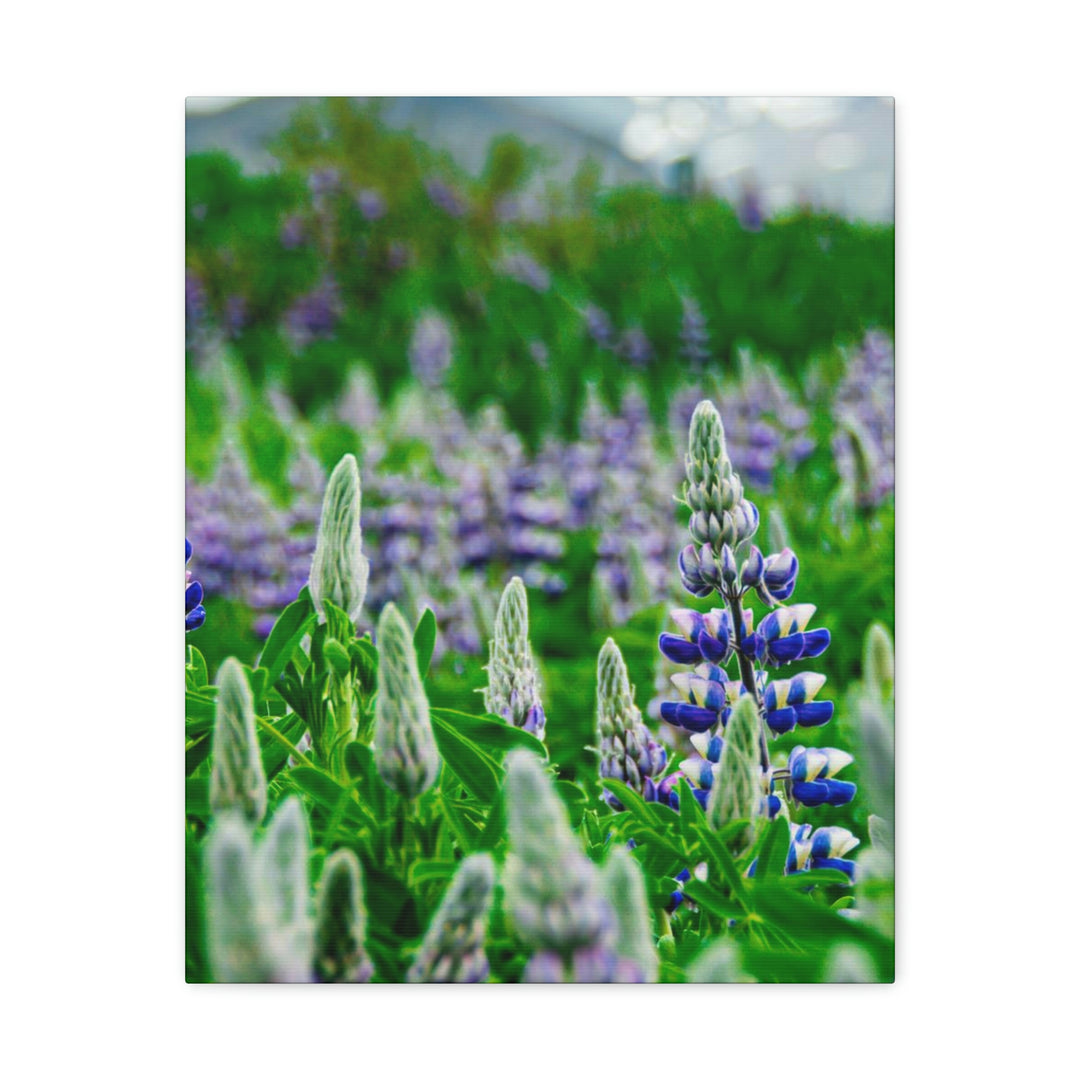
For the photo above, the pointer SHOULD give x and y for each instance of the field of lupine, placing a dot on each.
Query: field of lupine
(540, 577)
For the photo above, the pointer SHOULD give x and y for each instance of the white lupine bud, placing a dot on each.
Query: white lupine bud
(879, 665)
(719, 963)
(553, 893)
(341, 922)
(237, 779)
(339, 570)
(281, 867)
(453, 948)
(737, 791)
(625, 889)
(405, 752)
(257, 920)
(513, 690)
(234, 936)
(849, 964)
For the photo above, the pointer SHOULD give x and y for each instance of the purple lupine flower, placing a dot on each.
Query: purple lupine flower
(634, 347)
(431, 349)
(236, 313)
(694, 333)
(324, 181)
(524, 268)
(195, 613)
(445, 197)
(864, 415)
(371, 204)
(598, 324)
(315, 315)
(293, 232)
(195, 308)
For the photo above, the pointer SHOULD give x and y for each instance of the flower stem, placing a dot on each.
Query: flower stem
(747, 674)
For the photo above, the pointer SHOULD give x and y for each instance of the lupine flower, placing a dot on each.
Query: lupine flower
(718, 963)
(292, 232)
(820, 849)
(453, 948)
(729, 719)
(258, 926)
(242, 540)
(339, 570)
(315, 315)
(554, 896)
(430, 348)
(812, 775)
(739, 791)
(237, 778)
(635, 347)
(405, 752)
(195, 613)
(864, 414)
(524, 268)
(628, 751)
(445, 197)
(371, 204)
(694, 333)
(513, 690)
(625, 888)
(341, 922)
(598, 324)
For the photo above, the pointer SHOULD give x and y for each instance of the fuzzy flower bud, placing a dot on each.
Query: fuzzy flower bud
(453, 948)
(553, 893)
(339, 570)
(258, 928)
(237, 779)
(738, 789)
(405, 752)
(879, 665)
(341, 922)
(513, 690)
(714, 492)
(625, 888)
(628, 752)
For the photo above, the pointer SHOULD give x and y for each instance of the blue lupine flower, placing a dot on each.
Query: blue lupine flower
(820, 849)
(791, 701)
(782, 637)
(195, 614)
(812, 773)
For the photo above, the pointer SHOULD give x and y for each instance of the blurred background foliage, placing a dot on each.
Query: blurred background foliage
(306, 287)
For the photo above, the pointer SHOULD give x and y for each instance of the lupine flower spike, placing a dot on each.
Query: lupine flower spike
(513, 690)
(339, 570)
(637, 960)
(628, 751)
(237, 778)
(341, 922)
(453, 948)
(258, 927)
(405, 752)
(553, 894)
(728, 719)
(195, 613)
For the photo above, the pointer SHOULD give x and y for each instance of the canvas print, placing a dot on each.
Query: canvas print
(539, 503)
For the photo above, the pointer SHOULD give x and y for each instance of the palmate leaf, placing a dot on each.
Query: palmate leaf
(478, 771)
(289, 630)
(491, 733)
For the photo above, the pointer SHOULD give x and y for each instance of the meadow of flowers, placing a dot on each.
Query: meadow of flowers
(539, 598)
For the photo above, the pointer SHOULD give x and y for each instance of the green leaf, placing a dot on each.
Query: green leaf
(721, 862)
(200, 706)
(196, 669)
(424, 641)
(491, 733)
(197, 797)
(365, 662)
(711, 900)
(477, 770)
(773, 851)
(631, 800)
(292, 624)
(326, 792)
(424, 870)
